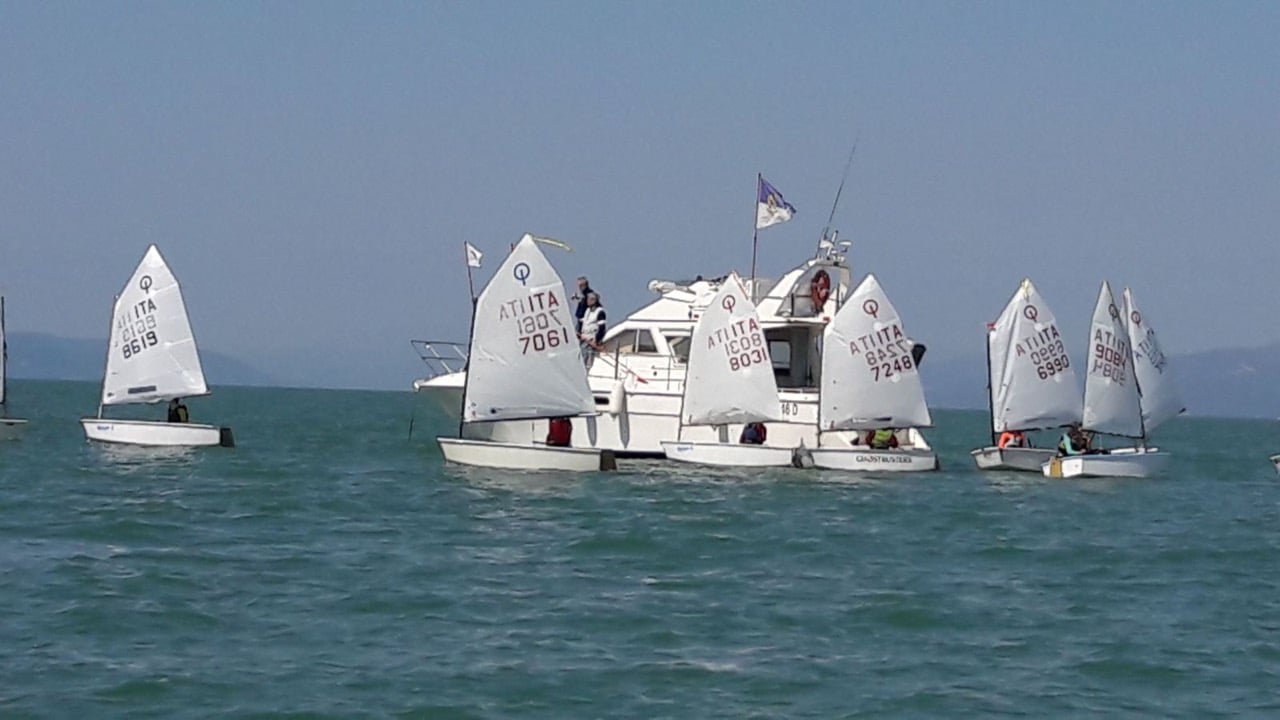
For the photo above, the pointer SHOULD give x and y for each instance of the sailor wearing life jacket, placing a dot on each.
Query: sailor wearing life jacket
(593, 327)
(882, 439)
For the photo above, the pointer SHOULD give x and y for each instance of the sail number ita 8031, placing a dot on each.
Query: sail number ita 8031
(537, 322)
(136, 328)
(742, 342)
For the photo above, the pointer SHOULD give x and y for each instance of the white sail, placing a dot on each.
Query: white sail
(1110, 392)
(1033, 384)
(730, 378)
(152, 354)
(1160, 399)
(868, 377)
(525, 361)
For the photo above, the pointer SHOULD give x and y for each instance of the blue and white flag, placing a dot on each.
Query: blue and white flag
(771, 207)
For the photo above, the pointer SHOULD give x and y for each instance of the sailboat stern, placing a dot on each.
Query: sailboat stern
(514, 456)
(150, 433)
(1120, 462)
(1012, 459)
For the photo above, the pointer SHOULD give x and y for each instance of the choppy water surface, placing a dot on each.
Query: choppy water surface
(331, 566)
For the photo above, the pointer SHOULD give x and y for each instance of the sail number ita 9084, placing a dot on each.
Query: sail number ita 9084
(136, 328)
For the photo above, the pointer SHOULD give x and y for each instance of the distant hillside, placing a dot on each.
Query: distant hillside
(1232, 382)
(38, 356)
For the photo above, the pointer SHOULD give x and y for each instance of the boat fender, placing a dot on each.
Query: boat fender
(225, 438)
(617, 399)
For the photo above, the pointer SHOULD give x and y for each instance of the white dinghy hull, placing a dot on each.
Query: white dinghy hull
(1015, 459)
(156, 434)
(1275, 460)
(876, 461)
(1121, 462)
(728, 455)
(508, 456)
(11, 428)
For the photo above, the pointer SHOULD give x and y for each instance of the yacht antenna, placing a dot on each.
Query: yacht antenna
(848, 164)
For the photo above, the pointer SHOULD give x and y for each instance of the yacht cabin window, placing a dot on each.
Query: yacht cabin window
(679, 345)
(630, 342)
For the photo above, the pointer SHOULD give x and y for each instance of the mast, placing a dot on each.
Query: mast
(4, 364)
(466, 367)
(755, 234)
(106, 358)
(991, 390)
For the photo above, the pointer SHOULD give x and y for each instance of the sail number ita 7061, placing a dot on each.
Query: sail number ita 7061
(537, 320)
(136, 328)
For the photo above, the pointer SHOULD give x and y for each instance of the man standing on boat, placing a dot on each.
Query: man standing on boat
(591, 327)
(584, 289)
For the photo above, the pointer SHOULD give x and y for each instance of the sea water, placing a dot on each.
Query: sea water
(331, 565)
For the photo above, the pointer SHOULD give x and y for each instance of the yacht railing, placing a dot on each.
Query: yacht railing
(441, 357)
(664, 369)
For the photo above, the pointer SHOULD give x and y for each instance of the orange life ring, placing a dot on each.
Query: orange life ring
(820, 290)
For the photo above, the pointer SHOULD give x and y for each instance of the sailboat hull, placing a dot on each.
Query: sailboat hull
(1275, 460)
(1121, 462)
(11, 428)
(876, 461)
(1012, 459)
(728, 455)
(508, 456)
(155, 434)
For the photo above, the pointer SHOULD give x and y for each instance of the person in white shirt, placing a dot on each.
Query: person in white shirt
(593, 327)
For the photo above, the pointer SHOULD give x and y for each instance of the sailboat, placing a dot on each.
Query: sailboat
(9, 427)
(730, 380)
(525, 365)
(1127, 393)
(869, 382)
(152, 358)
(1031, 380)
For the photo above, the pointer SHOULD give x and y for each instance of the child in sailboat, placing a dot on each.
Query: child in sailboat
(1013, 439)
(753, 434)
(560, 432)
(882, 439)
(1076, 441)
(178, 411)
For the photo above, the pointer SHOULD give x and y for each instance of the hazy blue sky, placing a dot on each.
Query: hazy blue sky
(311, 169)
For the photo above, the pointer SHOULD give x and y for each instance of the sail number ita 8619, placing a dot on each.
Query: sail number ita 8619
(137, 329)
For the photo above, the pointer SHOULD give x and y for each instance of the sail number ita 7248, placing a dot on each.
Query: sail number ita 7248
(136, 328)
(887, 352)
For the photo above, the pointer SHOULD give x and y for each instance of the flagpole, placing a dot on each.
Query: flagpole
(755, 233)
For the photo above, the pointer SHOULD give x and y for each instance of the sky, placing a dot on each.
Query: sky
(311, 169)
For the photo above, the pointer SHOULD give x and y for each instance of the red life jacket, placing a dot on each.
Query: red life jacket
(560, 432)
